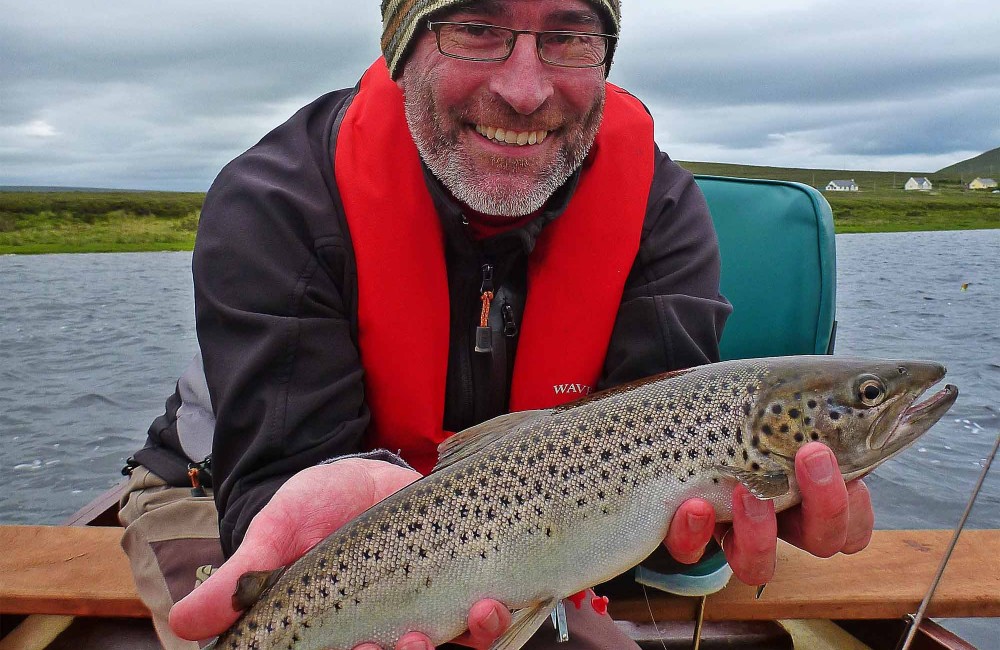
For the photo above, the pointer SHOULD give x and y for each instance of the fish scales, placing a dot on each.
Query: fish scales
(561, 502)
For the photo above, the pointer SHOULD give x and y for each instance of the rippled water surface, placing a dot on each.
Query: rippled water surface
(91, 345)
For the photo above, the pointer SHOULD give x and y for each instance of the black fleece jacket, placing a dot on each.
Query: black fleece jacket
(276, 307)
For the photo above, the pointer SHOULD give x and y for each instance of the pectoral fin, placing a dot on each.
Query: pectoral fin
(252, 584)
(763, 484)
(524, 623)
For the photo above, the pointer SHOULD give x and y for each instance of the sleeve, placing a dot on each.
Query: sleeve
(274, 287)
(672, 312)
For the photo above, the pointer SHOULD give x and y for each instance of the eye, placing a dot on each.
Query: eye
(871, 392)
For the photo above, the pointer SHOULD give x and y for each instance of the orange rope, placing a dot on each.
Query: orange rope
(484, 315)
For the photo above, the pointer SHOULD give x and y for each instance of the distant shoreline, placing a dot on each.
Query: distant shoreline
(43, 222)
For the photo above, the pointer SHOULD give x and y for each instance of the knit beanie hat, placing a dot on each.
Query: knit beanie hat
(402, 18)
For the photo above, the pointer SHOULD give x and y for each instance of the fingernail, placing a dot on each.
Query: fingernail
(697, 522)
(415, 644)
(492, 622)
(819, 467)
(755, 508)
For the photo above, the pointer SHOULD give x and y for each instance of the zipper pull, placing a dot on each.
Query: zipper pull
(509, 326)
(484, 334)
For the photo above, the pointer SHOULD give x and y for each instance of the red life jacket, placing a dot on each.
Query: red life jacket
(576, 271)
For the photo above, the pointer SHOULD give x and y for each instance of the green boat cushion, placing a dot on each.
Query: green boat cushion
(778, 266)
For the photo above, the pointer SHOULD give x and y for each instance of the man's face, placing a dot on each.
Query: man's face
(464, 114)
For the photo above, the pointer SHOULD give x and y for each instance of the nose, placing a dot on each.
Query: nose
(523, 80)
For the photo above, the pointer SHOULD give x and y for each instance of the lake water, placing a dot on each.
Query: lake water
(91, 345)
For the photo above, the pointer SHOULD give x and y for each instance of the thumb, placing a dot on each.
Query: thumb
(208, 610)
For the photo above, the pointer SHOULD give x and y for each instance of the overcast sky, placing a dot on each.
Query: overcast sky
(160, 95)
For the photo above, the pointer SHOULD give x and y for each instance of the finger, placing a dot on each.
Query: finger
(823, 525)
(208, 611)
(414, 641)
(690, 531)
(861, 518)
(751, 545)
(488, 619)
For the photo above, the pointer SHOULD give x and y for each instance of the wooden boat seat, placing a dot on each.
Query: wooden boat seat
(82, 571)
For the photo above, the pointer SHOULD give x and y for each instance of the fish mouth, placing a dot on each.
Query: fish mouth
(928, 411)
(913, 422)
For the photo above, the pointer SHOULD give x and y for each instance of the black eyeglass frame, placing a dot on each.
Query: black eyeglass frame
(609, 42)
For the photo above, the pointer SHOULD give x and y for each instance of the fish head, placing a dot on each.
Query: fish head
(865, 410)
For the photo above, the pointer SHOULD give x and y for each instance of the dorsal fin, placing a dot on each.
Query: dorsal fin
(467, 442)
(252, 584)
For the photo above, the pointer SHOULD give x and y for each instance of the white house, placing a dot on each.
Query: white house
(842, 186)
(982, 184)
(918, 183)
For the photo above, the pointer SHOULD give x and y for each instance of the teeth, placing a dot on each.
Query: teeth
(512, 137)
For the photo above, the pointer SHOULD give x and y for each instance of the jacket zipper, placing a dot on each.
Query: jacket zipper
(484, 333)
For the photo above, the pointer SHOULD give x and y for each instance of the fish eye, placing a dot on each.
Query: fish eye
(871, 391)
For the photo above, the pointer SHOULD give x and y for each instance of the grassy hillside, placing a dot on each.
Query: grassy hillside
(84, 222)
(985, 164)
(882, 205)
(109, 221)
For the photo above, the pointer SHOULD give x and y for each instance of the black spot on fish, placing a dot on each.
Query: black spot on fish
(739, 436)
(807, 421)
(811, 404)
(784, 428)
(834, 415)
(677, 455)
(754, 466)
(709, 452)
(746, 408)
(751, 389)
(731, 452)
(645, 460)
(766, 429)
(776, 409)
(290, 591)
(814, 435)
(794, 413)
(799, 437)
(755, 441)
(692, 453)
(746, 456)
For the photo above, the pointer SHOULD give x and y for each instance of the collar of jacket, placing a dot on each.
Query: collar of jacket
(451, 214)
(576, 272)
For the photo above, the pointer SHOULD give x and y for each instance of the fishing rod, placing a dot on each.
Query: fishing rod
(913, 621)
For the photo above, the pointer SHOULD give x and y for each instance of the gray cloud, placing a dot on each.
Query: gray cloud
(162, 96)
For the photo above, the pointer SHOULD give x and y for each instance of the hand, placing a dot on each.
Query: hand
(307, 508)
(833, 517)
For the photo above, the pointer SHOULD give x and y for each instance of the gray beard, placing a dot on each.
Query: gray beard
(490, 193)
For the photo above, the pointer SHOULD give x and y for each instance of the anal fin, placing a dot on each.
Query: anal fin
(524, 623)
(252, 584)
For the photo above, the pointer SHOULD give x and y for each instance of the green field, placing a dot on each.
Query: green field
(881, 204)
(94, 222)
(108, 221)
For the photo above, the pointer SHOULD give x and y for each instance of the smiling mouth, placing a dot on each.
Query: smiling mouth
(511, 137)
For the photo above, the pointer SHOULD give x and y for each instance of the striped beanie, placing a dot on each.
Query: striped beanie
(401, 19)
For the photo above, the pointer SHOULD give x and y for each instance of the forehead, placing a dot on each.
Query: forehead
(575, 12)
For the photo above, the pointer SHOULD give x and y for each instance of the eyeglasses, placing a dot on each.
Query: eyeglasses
(477, 42)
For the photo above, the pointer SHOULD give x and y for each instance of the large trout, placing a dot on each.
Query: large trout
(531, 507)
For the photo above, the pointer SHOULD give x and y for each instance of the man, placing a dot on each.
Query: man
(365, 274)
